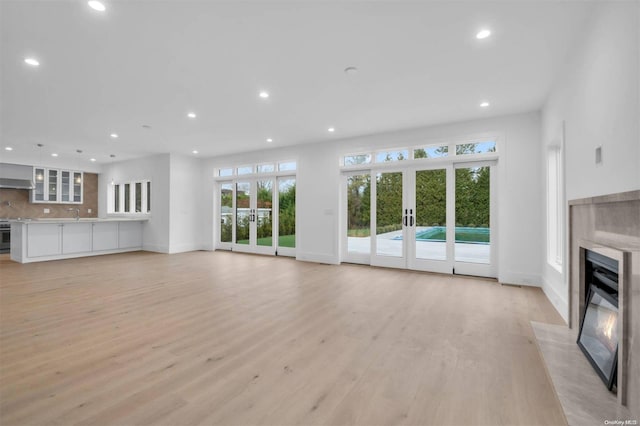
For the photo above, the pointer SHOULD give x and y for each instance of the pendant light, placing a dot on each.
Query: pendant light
(110, 164)
(78, 179)
(40, 175)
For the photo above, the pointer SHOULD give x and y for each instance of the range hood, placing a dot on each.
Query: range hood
(16, 183)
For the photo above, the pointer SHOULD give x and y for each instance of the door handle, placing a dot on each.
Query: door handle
(404, 220)
(411, 224)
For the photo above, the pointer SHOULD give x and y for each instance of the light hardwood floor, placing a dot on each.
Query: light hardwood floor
(227, 338)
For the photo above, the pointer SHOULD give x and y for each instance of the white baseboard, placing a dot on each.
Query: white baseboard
(520, 279)
(318, 258)
(155, 248)
(557, 300)
(182, 248)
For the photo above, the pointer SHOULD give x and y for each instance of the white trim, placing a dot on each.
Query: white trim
(182, 248)
(157, 248)
(329, 259)
(518, 278)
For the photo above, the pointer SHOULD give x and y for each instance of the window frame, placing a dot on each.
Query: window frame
(411, 147)
(145, 208)
(555, 208)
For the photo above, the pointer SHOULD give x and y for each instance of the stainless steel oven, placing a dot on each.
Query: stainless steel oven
(5, 237)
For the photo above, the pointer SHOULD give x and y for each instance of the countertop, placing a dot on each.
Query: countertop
(81, 220)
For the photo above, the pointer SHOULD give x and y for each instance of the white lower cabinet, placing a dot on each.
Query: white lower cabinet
(37, 242)
(43, 239)
(76, 238)
(105, 236)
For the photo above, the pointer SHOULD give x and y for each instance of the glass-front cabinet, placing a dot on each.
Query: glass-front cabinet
(38, 177)
(57, 186)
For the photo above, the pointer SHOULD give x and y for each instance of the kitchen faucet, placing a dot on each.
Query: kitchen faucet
(77, 213)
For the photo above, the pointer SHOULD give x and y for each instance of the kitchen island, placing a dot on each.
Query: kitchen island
(39, 240)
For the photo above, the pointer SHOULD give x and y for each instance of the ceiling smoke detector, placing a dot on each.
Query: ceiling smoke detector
(351, 71)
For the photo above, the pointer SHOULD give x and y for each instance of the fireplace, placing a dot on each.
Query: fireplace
(598, 336)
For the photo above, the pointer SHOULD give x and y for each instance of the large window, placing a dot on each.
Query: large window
(262, 168)
(479, 148)
(130, 197)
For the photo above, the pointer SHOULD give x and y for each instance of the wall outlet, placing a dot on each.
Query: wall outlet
(88, 210)
(46, 211)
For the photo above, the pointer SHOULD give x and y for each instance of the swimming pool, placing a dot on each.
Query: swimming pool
(463, 235)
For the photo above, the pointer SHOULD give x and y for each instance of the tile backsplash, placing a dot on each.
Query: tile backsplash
(15, 203)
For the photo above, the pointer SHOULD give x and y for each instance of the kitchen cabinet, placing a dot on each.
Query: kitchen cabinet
(76, 237)
(43, 239)
(105, 236)
(52, 239)
(57, 186)
(130, 234)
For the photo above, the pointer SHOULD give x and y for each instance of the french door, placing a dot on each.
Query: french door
(257, 215)
(432, 219)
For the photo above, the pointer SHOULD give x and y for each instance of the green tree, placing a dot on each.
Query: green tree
(431, 207)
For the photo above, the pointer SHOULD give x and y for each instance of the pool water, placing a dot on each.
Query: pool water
(463, 235)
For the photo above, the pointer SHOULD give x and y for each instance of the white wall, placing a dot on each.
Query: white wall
(597, 96)
(185, 204)
(319, 180)
(156, 233)
(175, 223)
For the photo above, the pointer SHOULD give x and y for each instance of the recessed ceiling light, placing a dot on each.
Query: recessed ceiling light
(32, 61)
(484, 104)
(191, 115)
(331, 130)
(114, 135)
(269, 140)
(8, 148)
(194, 151)
(96, 5)
(483, 34)
(54, 155)
(93, 160)
(264, 95)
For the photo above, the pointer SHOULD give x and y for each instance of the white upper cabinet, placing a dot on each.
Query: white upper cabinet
(57, 186)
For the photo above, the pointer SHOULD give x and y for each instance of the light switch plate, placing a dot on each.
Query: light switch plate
(88, 210)
(46, 210)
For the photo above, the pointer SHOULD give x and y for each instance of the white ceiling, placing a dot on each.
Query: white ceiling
(151, 62)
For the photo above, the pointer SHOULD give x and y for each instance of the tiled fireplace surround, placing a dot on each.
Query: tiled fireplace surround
(609, 225)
